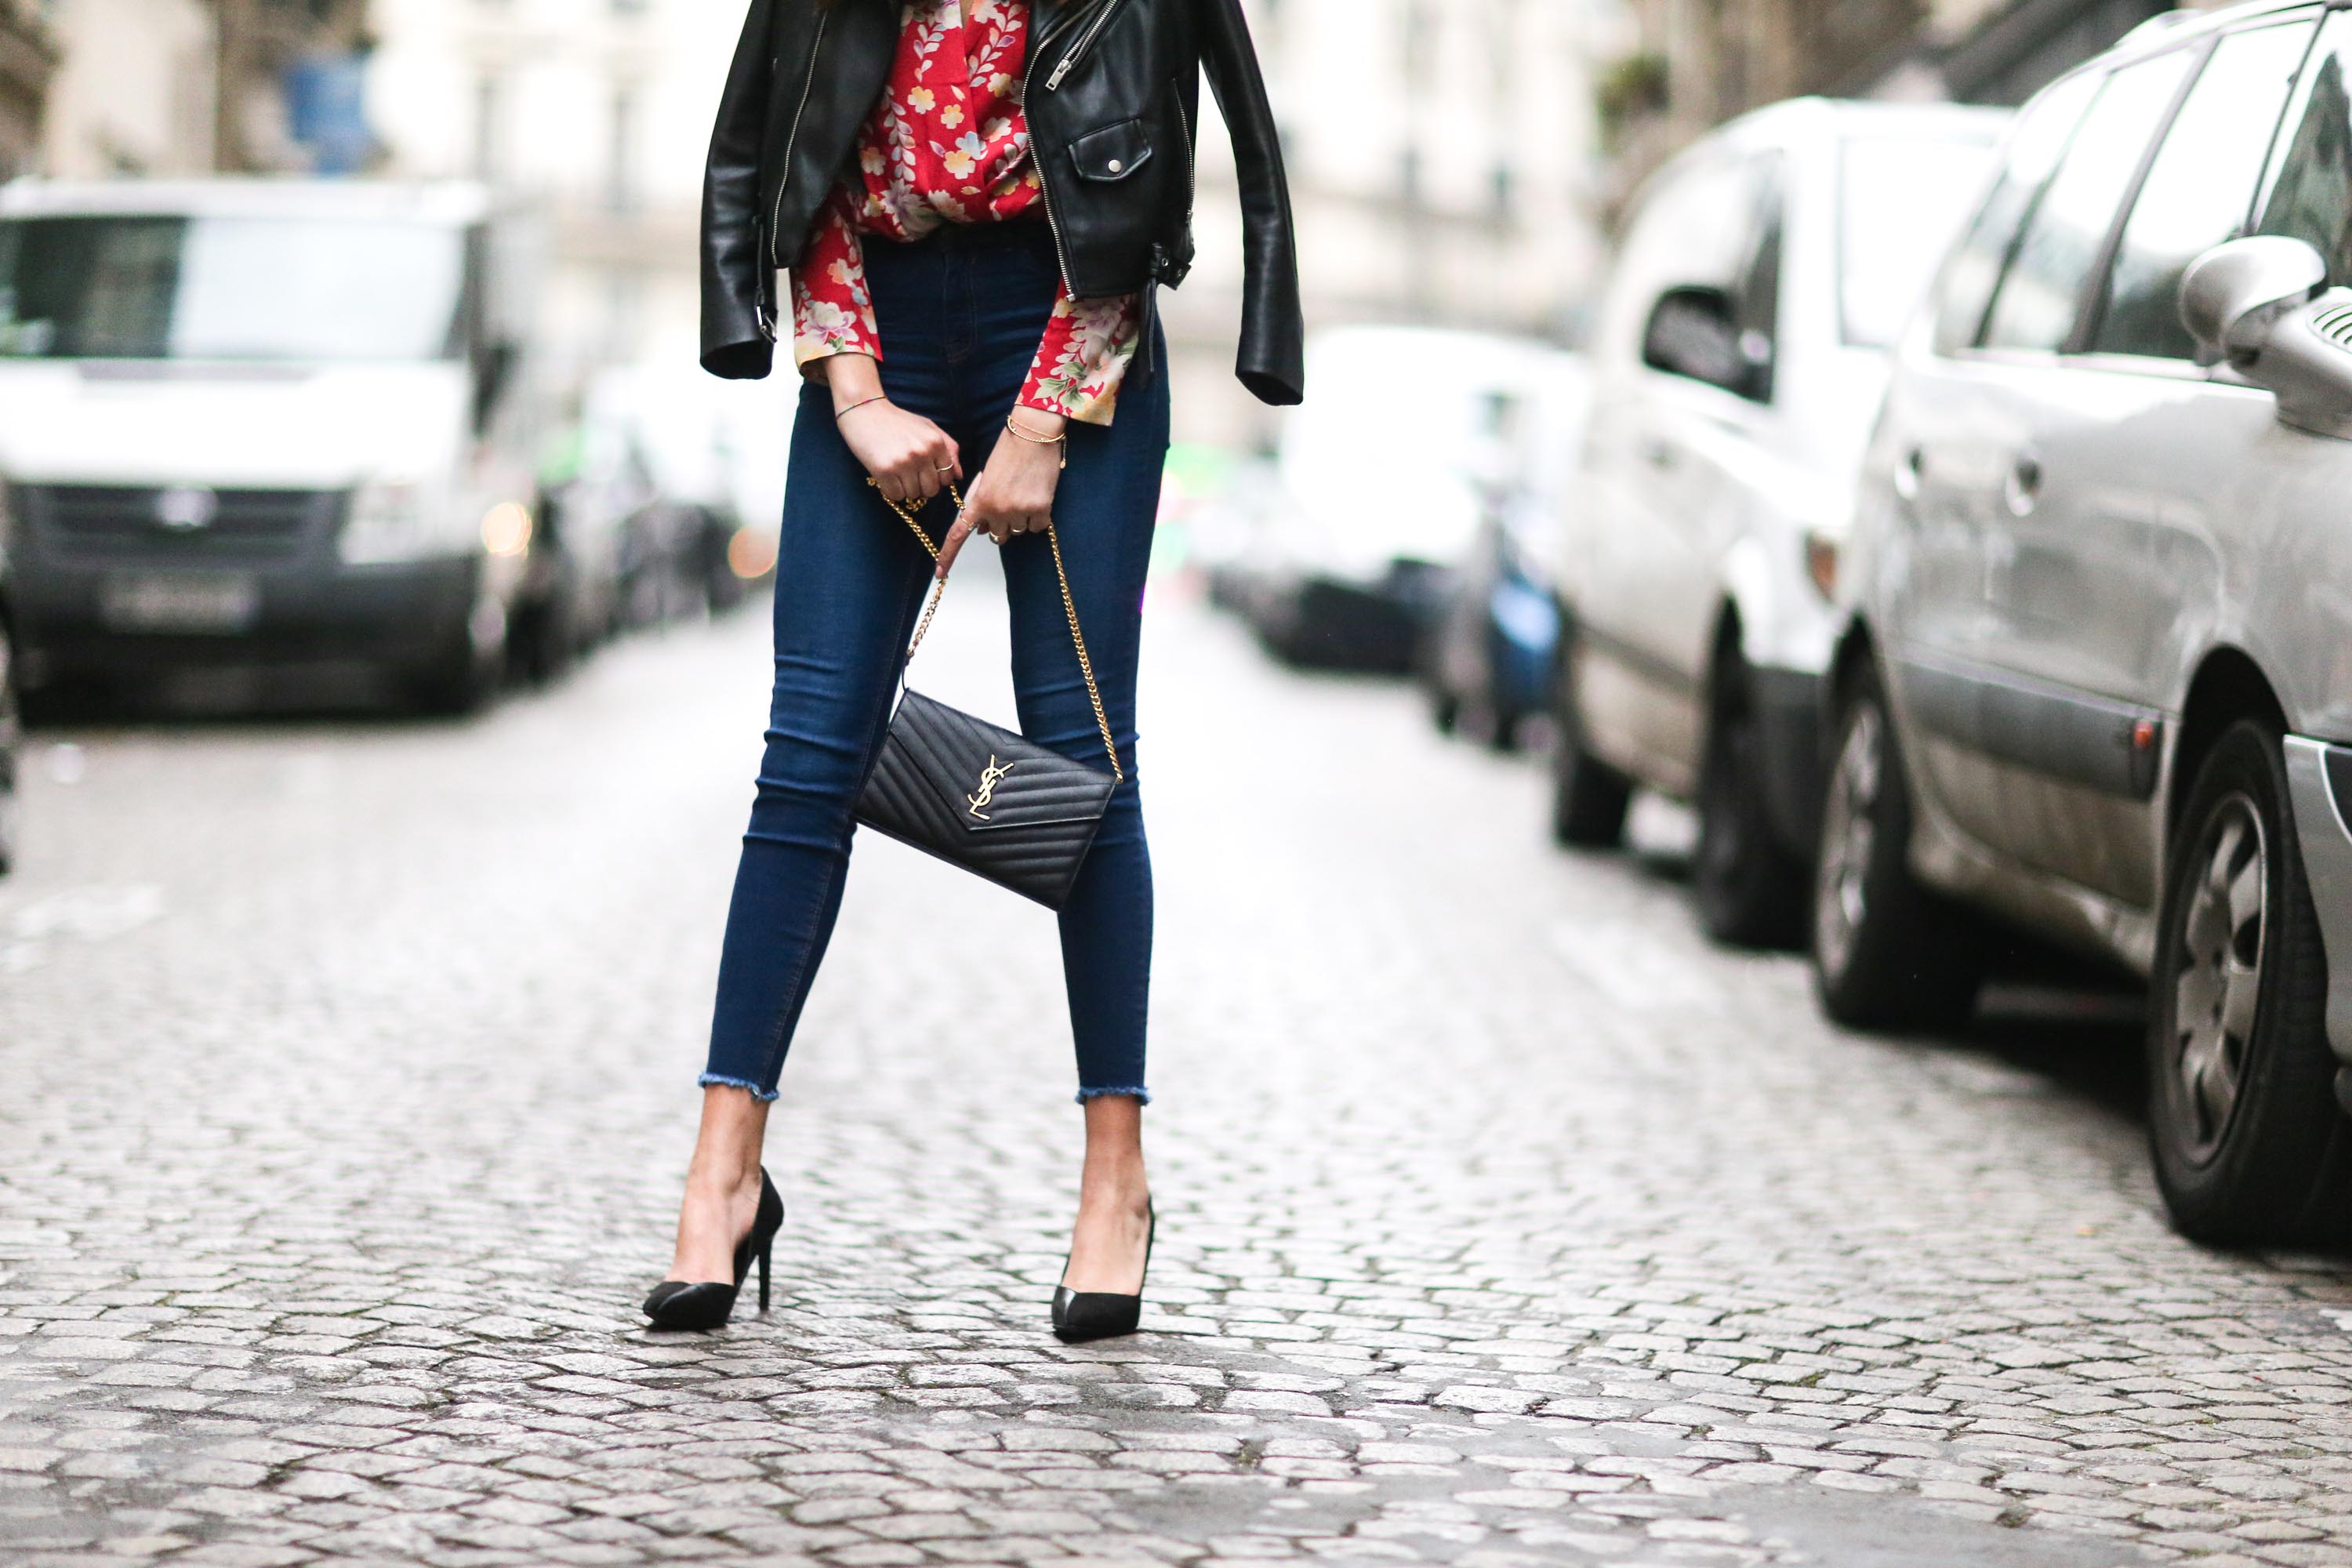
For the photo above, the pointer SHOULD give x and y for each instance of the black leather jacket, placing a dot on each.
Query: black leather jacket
(1112, 97)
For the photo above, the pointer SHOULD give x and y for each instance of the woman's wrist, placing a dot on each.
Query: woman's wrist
(852, 378)
(1037, 424)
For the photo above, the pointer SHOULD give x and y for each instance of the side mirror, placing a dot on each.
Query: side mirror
(1694, 330)
(2263, 305)
(2232, 294)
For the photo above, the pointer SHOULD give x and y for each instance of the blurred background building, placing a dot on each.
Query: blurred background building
(28, 61)
(598, 111)
(1442, 158)
(1693, 64)
(185, 86)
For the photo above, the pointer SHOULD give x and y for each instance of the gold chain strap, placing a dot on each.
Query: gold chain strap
(1069, 606)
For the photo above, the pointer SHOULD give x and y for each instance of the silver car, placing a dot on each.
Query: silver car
(1741, 353)
(2097, 678)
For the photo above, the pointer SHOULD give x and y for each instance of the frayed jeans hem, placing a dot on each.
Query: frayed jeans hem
(721, 1080)
(1142, 1095)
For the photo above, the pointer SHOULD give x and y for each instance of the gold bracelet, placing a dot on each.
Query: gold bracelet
(1062, 440)
(878, 398)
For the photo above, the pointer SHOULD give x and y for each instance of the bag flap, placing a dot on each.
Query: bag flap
(991, 779)
(1113, 153)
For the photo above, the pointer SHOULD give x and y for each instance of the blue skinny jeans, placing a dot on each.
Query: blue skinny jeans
(960, 314)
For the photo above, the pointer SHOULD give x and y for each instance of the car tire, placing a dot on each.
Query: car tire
(1589, 797)
(1888, 952)
(1750, 890)
(2249, 1143)
(11, 750)
(458, 686)
(1444, 708)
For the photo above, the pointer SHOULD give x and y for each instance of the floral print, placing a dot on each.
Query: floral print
(949, 143)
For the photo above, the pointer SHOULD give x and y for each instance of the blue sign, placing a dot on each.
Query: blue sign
(326, 110)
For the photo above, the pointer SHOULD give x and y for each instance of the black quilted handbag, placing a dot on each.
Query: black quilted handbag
(993, 802)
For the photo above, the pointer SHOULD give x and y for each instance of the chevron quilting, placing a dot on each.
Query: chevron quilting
(1041, 816)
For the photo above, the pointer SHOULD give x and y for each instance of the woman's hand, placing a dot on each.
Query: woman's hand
(1014, 493)
(910, 458)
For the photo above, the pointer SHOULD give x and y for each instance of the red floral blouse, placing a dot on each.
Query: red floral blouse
(949, 143)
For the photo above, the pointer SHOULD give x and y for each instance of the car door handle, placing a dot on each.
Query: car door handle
(1909, 470)
(2020, 488)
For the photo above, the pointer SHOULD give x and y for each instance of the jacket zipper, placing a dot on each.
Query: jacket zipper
(1045, 181)
(1192, 170)
(1086, 41)
(784, 177)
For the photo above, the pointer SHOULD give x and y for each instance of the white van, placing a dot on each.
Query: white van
(254, 421)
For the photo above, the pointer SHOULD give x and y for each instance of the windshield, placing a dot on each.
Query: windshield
(1901, 201)
(179, 288)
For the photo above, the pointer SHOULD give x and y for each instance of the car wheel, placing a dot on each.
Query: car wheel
(1588, 796)
(2250, 1145)
(1888, 952)
(11, 735)
(1750, 890)
(458, 685)
(1444, 708)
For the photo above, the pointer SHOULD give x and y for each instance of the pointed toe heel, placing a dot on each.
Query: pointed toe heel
(703, 1305)
(1079, 1316)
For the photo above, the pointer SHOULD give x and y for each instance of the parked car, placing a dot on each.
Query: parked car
(663, 453)
(247, 421)
(1379, 494)
(1488, 660)
(1740, 352)
(2097, 682)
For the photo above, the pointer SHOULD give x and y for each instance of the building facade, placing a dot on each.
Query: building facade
(29, 52)
(166, 88)
(1693, 64)
(135, 90)
(1442, 163)
(596, 113)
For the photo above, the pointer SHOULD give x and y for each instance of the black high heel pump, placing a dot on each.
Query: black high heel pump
(685, 1304)
(1083, 1315)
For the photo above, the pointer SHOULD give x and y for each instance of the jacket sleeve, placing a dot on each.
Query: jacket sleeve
(1272, 361)
(738, 283)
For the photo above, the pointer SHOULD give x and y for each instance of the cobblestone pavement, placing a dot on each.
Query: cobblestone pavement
(346, 1081)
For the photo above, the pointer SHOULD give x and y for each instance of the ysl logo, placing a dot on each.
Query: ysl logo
(988, 777)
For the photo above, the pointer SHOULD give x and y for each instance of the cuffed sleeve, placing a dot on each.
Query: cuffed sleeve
(1083, 357)
(832, 314)
(1272, 358)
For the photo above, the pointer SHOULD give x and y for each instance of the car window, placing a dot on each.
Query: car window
(2311, 182)
(2035, 305)
(2199, 188)
(1900, 199)
(1698, 226)
(2035, 147)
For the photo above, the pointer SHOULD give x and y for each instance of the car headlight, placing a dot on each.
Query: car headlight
(403, 520)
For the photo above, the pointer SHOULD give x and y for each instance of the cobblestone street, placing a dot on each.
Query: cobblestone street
(347, 1077)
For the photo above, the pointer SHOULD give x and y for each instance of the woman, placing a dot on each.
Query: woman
(977, 200)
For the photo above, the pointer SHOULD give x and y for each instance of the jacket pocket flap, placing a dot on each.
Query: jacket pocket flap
(983, 778)
(1113, 153)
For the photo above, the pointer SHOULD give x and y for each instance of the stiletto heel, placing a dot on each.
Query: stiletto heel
(1083, 1315)
(703, 1304)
